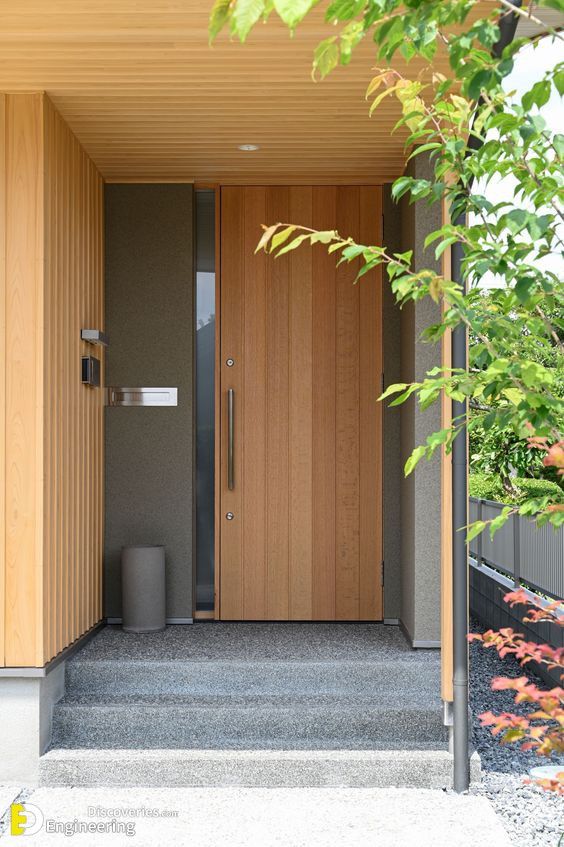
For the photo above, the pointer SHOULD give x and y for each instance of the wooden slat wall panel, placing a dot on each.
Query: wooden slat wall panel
(2, 373)
(50, 454)
(54, 426)
(24, 380)
(73, 427)
(306, 539)
(97, 263)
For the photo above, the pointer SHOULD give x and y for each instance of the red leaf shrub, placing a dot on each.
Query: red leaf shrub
(542, 729)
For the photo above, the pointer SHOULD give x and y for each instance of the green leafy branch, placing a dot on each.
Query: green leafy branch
(517, 326)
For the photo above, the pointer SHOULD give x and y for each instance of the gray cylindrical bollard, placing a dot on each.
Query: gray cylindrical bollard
(143, 588)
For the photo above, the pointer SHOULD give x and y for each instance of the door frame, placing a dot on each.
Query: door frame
(217, 410)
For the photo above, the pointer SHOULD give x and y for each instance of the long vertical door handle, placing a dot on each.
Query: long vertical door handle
(230, 439)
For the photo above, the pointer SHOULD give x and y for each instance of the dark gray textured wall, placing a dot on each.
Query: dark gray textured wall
(392, 420)
(407, 485)
(150, 320)
(421, 492)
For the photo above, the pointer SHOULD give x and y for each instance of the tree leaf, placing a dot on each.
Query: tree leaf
(414, 460)
(474, 529)
(353, 251)
(218, 18)
(513, 395)
(292, 11)
(326, 56)
(423, 148)
(281, 237)
(344, 10)
(537, 96)
(323, 236)
(393, 389)
(523, 288)
(437, 439)
(265, 237)
(351, 35)
(380, 97)
(400, 186)
(553, 4)
(245, 15)
(338, 245)
(479, 81)
(375, 84)
(500, 520)
(444, 245)
(292, 245)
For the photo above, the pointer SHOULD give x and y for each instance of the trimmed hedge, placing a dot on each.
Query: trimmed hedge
(489, 487)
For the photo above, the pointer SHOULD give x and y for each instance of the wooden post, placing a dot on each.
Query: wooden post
(479, 557)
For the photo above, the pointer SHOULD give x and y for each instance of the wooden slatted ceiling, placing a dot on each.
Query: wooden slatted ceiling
(148, 99)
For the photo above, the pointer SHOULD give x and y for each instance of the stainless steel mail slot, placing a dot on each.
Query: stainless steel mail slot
(142, 396)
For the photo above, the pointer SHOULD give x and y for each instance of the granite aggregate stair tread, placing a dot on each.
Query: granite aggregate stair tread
(251, 704)
(155, 725)
(106, 677)
(415, 767)
(258, 701)
(200, 642)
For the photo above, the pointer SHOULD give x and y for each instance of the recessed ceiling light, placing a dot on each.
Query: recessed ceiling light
(248, 148)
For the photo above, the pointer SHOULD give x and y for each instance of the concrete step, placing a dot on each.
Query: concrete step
(417, 767)
(258, 722)
(401, 676)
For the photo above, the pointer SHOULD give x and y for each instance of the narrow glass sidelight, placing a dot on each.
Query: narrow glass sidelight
(205, 406)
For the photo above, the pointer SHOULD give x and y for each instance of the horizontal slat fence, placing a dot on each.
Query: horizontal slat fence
(522, 550)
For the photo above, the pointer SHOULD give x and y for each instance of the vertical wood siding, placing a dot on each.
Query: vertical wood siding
(73, 422)
(53, 287)
(24, 383)
(2, 374)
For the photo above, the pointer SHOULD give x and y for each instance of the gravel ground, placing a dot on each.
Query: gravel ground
(532, 817)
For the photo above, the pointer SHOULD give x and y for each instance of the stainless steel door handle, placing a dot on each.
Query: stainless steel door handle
(230, 438)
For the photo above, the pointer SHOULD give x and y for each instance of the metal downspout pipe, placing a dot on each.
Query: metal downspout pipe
(460, 718)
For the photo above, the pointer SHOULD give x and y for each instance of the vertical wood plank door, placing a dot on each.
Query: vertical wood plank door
(300, 353)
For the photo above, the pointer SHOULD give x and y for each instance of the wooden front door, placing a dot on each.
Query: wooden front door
(300, 361)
